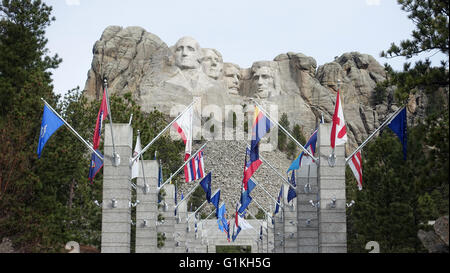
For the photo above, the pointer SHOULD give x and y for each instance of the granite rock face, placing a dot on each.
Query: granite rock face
(162, 77)
(134, 60)
(436, 240)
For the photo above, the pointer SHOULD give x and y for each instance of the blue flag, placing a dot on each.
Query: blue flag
(251, 185)
(233, 237)
(291, 192)
(398, 125)
(221, 217)
(50, 123)
(96, 165)
(277, 206)
(206, 185)
(160, 176)
(245, 201)
(215, 201)
(305, 158)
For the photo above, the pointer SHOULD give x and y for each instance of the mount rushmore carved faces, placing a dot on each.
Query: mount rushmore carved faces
(263, 82)
(187, 53)
(212, 63)
(232, 76)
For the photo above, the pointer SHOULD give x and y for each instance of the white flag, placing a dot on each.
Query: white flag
(338, 129)
(184, 128)
(135, 166)
(243, 223)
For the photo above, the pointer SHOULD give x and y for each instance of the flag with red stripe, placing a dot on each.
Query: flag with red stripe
(195, 168)
(101, 116)
(356, 166)
(338, 129)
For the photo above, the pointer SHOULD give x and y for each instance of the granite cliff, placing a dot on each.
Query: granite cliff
(161, 76)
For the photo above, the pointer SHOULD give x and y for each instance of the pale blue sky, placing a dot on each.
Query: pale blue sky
(244, 31)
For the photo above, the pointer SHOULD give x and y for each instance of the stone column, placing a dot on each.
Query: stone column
(290, 223)
(332, 216)
(308, 227)
(270, 236)
(279, 231)
(168, 226)
(116, 211)
(193, 240)
(147, 210)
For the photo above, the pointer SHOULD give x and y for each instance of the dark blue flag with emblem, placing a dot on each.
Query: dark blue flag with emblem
(50, 123)
(277, 205)
(96, 165)
(291, 192)
(206, 185)
(398, 126)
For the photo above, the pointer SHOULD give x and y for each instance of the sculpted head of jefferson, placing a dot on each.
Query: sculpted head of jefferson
(212, 63)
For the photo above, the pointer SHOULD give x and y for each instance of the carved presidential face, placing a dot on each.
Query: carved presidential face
(263, 82)
(212, 63)
(187, 53)
(232, 76)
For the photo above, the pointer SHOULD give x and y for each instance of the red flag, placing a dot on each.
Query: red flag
(338, 129)
(356, 166)
(102, 114)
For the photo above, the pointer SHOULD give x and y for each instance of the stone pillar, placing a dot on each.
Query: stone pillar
(308, 227)
(193, 240)
(332, 218)
(279, 231)
(270, 236)
(168, 226)
(290, 223)
(147, 210)
(116, 220)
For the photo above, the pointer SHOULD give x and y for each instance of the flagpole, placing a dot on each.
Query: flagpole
(262, 208)
(160, 133)
(189, 217)
(265, 161)
(73, 130)
(388, 120)
(286, 132)
(179, 169)
(257, 184)
(115, 155)
(189, 193)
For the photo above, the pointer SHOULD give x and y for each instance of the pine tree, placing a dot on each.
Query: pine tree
(282, 138)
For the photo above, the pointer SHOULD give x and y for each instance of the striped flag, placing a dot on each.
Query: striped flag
(356, 165)
(195, 168)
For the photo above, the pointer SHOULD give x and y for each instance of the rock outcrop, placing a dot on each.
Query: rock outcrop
(161, 76)
(436, 240)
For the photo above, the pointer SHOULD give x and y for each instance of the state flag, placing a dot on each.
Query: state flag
(356, 166)
(50, 123)
(135, 166)
(338, 129)
(101, 116)
(95, 166)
